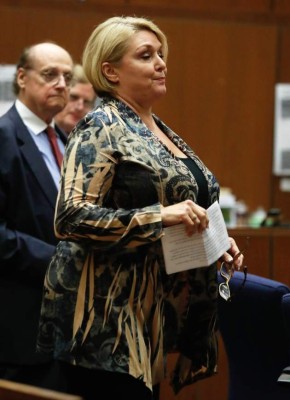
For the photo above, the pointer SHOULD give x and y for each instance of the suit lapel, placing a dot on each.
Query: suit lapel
(34, 160)
(61, 133)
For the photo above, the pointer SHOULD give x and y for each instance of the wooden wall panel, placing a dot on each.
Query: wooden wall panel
(281, 255)
(220, 81)
(282, 7)
(258, 256)
(215, 387)
(34, 25)
(221, 100)
(282, 199)
(182, 8)
(224, 60)
(206, 5)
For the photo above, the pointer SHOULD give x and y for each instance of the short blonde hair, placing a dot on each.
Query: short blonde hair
(79, 75)
(109, 42)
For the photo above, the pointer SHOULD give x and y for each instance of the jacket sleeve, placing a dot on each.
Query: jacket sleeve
(20, 252)
(103, 177)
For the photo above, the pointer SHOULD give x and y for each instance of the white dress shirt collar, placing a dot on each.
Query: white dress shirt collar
(31, 120)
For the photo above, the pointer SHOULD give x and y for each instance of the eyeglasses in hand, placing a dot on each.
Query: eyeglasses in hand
(227, 270)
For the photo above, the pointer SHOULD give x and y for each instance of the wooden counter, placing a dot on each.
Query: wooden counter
(268, 254)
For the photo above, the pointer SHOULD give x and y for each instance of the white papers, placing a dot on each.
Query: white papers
(182, 252)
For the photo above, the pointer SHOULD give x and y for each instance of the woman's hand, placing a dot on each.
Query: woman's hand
(233, 256)
(187, 212)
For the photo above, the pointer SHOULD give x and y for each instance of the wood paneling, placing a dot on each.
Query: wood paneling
(182, 8)
(221, 78)
(268, 254)
(220, 99)
(36, 25)
(225, 57)
(10, 390)
(281, 255)
(258, 256)
(215, 387)
(227, 6)
(282, 7)
(282, 199)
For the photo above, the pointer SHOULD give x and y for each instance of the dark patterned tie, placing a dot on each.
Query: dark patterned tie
(54, 146)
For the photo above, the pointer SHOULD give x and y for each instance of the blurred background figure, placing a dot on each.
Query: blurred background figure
(82, 99)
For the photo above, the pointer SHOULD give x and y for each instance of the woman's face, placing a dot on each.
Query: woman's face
(140, 77)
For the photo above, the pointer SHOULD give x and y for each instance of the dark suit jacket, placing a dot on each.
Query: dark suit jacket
(27, 241)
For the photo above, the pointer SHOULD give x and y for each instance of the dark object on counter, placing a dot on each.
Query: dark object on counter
(273, 218)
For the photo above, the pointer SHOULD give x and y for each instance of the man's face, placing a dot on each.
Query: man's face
(81, 101)
(44, 85)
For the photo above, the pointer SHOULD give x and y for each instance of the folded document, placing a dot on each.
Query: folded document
(182, 252)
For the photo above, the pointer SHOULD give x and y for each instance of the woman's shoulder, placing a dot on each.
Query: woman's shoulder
(107, 111)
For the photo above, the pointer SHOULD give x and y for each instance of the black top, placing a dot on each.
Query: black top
(202, 197)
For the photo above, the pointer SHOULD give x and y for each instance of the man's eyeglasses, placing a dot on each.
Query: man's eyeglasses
(227, 270)
(52, 76)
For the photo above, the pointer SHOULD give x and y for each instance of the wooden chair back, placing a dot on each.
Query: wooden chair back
(18, 391)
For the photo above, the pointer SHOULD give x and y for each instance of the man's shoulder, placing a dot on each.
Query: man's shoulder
(11, 128)
(9, 119)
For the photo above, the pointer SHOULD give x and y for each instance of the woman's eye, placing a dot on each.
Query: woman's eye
(149, 55)
(146, 56)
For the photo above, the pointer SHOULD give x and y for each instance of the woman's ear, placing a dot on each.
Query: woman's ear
(110, 72)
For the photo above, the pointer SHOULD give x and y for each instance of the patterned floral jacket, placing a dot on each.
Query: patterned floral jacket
(108, 302)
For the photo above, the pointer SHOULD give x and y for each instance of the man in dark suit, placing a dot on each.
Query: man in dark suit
(29, 178)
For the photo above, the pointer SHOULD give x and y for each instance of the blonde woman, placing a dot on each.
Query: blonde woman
(110, 312)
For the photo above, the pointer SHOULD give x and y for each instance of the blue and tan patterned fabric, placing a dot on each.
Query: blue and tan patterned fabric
(108, 302)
